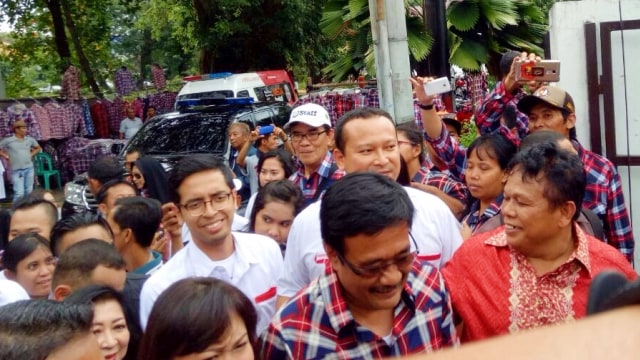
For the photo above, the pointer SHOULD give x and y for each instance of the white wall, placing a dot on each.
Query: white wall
(567, 43)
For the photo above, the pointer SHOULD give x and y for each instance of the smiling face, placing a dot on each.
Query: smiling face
(310, 152)
(110, 328)
(212, 228)
(370, 145)
(530, 220)
(34, 272)
(382, 292)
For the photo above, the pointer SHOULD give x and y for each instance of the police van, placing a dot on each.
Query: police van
(271, 85)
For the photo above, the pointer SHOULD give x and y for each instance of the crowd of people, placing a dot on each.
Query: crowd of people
(365, 240)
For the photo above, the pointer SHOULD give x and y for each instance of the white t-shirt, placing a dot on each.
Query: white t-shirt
(11, 291)
(255, 269)
(130, 127)
(435, 230)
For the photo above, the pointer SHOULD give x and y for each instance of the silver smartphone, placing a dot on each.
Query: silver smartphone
(543, 70)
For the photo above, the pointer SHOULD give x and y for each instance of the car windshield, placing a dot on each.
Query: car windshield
(198, 132)
(208, 94)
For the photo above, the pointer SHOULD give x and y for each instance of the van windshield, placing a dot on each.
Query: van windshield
(168, 136)
(208, 94)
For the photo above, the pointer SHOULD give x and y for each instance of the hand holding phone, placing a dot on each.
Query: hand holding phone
(543, 70)
(437, 86)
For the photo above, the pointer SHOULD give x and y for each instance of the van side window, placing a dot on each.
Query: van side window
(264, 117)
(243, 93)
(261, 93)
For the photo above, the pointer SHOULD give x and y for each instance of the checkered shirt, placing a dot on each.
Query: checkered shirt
(310, 186)
(317, 323)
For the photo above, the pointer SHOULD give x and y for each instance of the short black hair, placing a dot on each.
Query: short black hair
(283, 156)
(94, 293)
(75, 265)
(105, 168)
(33, 329)
(178, 326)
(141, 215)
(506, 60)
(281, 190)
(21, 247)
(192, 164)
(132, 150)
(561, 171)
(72, 223)
(362, 203)
(540, 136)
(101, 197)
(31, 201)
(495, 146)
(361, 113)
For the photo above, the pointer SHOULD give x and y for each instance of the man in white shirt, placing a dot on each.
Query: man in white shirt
(130, 125)
(202, 187)
(366, 140)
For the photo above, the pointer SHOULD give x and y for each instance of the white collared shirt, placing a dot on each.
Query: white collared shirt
(435, 230)
(255, 269)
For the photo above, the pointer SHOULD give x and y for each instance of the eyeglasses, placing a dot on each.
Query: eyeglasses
(311, 135)
(198, 207)
(22, 127)
(402, 262)
(400, 142)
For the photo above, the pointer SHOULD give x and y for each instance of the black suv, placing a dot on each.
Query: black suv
(199, 126)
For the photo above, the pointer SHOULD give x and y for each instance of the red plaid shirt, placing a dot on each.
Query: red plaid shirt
(323, 175)
(443, 182)
(317, 323)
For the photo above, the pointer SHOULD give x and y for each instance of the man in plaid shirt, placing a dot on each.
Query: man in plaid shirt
(552, 108)
(311, 133)
(375, 299)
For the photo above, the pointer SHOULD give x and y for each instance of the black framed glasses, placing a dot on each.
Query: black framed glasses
(198, 207)
(311, 135)
(402, 262)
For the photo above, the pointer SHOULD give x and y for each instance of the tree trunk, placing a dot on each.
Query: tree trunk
(60, 36)
(145, 56)
(84, 62)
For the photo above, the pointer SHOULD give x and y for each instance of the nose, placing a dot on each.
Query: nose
(472, 173)
(381, 158)
(107, 340)
(506, 208)
(274, 233)
(391, 275)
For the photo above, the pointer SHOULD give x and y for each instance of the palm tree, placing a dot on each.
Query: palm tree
(347, 22)
(479, 32)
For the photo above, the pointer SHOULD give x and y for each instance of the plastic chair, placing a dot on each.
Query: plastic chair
(44, 167)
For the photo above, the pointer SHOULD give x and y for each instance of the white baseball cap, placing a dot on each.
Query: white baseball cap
(311, 114)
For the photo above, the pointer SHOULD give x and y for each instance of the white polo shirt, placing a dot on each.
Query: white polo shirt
(435, 230)
(254, 267)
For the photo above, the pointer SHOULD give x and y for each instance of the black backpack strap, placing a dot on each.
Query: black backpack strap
(596, 223)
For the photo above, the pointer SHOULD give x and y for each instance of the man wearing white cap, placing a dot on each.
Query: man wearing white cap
(311, 133)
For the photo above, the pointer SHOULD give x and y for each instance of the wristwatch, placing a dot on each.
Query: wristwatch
(425, 107)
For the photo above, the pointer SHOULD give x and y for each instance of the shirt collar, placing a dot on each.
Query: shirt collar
(153, 264)
(202, 265)
(580, 253)
(323, 170)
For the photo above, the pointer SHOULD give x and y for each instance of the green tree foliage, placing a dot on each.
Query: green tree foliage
(480, 31)
(348, 22)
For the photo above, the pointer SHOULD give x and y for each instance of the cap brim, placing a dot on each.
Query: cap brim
(528, 102)
(455, 123)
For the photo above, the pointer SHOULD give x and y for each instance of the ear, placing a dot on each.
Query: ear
(235, 199)
(61, 292)
(567, 211)
(332, 255)
(505, 176)
(128, 235)
(415, 151)
(571, 121)
(102, 208)
(9, 274)
(339, 157)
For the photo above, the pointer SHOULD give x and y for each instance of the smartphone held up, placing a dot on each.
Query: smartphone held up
(543, 70)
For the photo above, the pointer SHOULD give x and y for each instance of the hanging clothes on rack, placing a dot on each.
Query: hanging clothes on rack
(124, 81)
(74, 122)
(157, 73)
(86, 117)
(20, 111)
(116, 114)
(5, 126)
(71, 84)
(57, 118)
(44, 122)
(100, 116)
